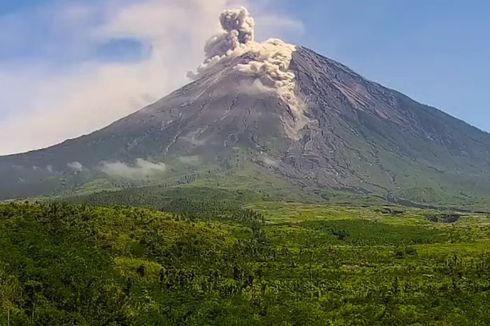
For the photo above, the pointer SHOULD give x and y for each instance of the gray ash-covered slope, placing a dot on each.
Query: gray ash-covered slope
(314, 124)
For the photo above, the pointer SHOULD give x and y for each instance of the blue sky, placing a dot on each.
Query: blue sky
(82, 64)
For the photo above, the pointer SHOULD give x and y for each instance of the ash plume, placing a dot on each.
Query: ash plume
(264, 64)
(238, 28)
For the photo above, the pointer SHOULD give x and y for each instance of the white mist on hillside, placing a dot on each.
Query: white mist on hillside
(140, 170)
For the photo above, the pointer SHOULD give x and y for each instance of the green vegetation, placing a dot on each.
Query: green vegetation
(214, 263)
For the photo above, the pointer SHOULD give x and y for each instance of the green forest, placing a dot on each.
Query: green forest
(216, 262)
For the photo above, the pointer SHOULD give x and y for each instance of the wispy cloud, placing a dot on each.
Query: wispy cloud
(140, 170)
(64, 90)
(75, 166)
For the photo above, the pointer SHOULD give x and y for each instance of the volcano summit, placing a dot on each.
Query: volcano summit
(270, 116)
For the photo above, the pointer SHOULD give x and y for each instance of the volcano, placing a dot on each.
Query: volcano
(281, 114)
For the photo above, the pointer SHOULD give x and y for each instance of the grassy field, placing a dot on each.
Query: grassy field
(268, 263)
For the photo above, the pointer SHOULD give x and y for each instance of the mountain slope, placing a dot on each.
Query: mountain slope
(375, 137)
(283, 114)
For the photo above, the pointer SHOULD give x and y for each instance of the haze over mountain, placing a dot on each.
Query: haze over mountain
(280, 114)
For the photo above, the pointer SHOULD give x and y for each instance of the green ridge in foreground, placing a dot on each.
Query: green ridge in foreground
(278, 264)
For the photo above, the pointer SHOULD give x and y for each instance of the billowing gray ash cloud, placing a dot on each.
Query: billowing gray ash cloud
(266, 63)
(238, 28)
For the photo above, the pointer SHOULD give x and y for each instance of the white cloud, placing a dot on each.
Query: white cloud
(75, 166)
(42, 104)
(139, 170)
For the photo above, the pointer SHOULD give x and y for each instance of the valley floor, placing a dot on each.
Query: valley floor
(196, 263)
